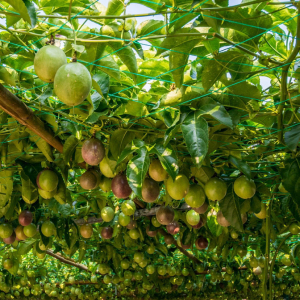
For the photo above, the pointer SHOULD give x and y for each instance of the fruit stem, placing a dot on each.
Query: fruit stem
(267, 253)
(74, 58)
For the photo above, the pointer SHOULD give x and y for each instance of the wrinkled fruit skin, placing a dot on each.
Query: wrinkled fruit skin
(107, 232)
(156, 171)
(72, 83)
(120, 186)
(10, 240)
(92, 151)
(195, 197)
(47, 180)
(245, 188)
(179, 187)
(173, 227)
(89, 180)
(201, 243)
(150, 190)
(86, 231)
(25, 218)
(215, 189)
(47, 61)
(202, 209)
(165, 215)
(221, 219)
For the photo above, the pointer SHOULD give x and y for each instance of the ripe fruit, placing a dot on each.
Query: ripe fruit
(47, 195)
(169, 240)
(201, 222)
(192, 217)
(107, 167)
(202, 209)
(156, 171)
(128, 207)
(92, 151)
(201, 243)
(47, 180)
(120, 186)
(30, 230)
(215, 189)
(72, 83)
(107, 214)
(294, 228)
(8, 264)
(134, 233)
(47, 61)
(86, 230)
(150, 190)
(10, 240)
(20, 233)
(165, 215)
(151, 233)
(123, 219)
(173, 227)
(6, 230)
(88, 180)
(107, 232)
(25, 218)
(222, 220)
(132, 224)
(48, 228)
(179, 187)
(105, 184)
(245, 188)
(195, 197)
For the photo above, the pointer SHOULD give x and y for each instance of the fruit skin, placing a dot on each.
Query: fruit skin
(215, 189)
(150, 190)
(195, 197)
(201, 243)
(8, 264)
(165, 215)
(192, 217)
(47, 195)
(263, 212)
(169, 240)
(156, 171)
(25, 217)
(173, 227)
(151, 233)
(222, 220)
(107, 166)
(92, 151)
(86, 231)
(128, 207)
(72, 83)
(11, 239)
(47, 180)
(123, 219)
(201, 223)
(294, 228)
(155, 222)
(20, 233)
(47, 61)
(245, 188)
(120, 186)
(30, 230)
(107, 214)
(134, 233)
(105, 184)
(6, 230)
(179, 187)
(202, 209)
(281, 188)
(48, 228)
(88, 180)
(132, 224)
(107, 232)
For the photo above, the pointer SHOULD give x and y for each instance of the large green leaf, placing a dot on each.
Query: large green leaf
(292, 138)
(69, 148)
(149, 27)
(230, 207)
(26, 246)
(241, 165)
(114, 7)
(21, 8)
(119, 140)
(195, 132)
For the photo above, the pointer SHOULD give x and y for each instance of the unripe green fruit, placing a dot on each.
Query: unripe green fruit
(30, 230)
(215, 189)
(47, 180)
(179, 187)
(105, 184)
(123, 219)
(195, 197)
(128, 207)
(107, 167)
(6, 230)
(48, 228)
(107, 214)
(192, 217)
(156, 171)
(245, 188)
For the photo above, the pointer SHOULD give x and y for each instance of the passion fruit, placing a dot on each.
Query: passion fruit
(173, 227)
(107, 214)
(150, 190)
(86, 230)
(222, 220)
(120, 186)
(138, 257)
(151, 233)
(165, 215)
(201, 243)
(128, 207)
(25, 218)
(88, 180)
(201, 223)
(105, 184)
(8, 263)
(155, 222)
(244, 188)
(47, 61)
(20, 233)
(92, 151)
(294, 228)
(123, 219)
(132, 224)
(72, 83)
(6, 230)
(48, 228)
(179, 187)
(47, 195)
(10, 240)
(30, 230)
(263, 212)
(169, 240)
(107, 232)
(134, 233)
(107, 167)
(215, 189)
(195, 197)
(202, 209)
(156, 171)
(192, 217)
(47, 180)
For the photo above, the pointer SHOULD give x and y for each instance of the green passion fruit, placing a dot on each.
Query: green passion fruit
(156, 171)
(47, 61)
(86, 231)
(72, 83)
(195, 197)
(107, 214)
(150, 190)
(47, 180)
(20, 235)
(123, 219)
(134, 233)
(244, 188)
(30, 230)
(6, 230)
(92, 151)
(179, 187)
(263, 212)
(107, 167)
(294, 228)
(128, 207)
(192, 217)
(155, 222)
(48, 228)
(215, 189)
(105, 184)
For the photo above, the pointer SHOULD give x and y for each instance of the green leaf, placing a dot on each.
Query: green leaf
(21, 8)
(149, 27)
(26, 246)
(137, 169)
(170, 133)
(69, 148)
(119, 140)
(195, 132)
(230, 207)
(31, 170)
(31, 11)
(78, 48)
(114, 7)
(8, 76)
(29, 190)
(292, 138)
(167, 157)
(213, 225)
(241, 165)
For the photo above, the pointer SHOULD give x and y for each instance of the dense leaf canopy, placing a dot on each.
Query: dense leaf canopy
(185, 104)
